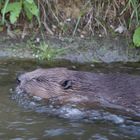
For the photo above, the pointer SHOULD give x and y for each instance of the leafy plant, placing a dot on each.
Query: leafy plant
(15, 8)
(31, 9)
(45, 52)
(136, 37)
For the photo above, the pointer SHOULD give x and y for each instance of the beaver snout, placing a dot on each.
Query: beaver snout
(18, 81)
(19, 77)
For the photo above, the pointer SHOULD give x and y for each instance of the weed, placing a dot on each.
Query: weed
(15, 8)
(46, 52)
(87, 16)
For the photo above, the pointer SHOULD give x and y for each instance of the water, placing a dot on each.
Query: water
(18, 123)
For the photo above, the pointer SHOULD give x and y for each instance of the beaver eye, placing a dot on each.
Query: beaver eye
(66, 84)
(39, 79)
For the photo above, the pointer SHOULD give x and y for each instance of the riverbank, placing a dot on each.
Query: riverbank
(89, 50)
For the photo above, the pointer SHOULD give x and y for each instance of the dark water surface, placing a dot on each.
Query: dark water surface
(18, 123)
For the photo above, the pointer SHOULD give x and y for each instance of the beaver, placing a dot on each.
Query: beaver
(113, 91)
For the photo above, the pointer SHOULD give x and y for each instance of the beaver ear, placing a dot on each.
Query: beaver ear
(66, 84)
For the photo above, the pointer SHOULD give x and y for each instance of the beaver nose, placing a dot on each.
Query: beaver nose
(18, 77)
(18, 81)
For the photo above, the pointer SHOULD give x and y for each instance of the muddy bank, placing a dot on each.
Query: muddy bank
(75, 49)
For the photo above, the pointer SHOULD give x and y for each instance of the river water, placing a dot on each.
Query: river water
(19, 123)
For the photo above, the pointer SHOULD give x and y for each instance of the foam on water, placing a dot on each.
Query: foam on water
(66, 111)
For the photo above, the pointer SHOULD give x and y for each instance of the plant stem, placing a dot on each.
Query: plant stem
(4, 10)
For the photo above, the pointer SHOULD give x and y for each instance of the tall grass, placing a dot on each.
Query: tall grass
(95, 16)
(74, 17)
(133, 7)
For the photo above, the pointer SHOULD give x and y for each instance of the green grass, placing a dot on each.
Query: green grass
(46, 52)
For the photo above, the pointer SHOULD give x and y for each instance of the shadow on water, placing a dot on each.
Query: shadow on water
(17, 123)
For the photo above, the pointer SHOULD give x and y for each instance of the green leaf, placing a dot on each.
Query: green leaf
(14, 16)
(28, 13)
(31, 8)
(136, 37)
(14, 9)
(30, 1)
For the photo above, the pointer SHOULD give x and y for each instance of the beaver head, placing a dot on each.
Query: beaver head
(56, 83)
(45, 83)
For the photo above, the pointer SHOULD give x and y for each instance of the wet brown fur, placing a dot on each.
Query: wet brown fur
(116, 91)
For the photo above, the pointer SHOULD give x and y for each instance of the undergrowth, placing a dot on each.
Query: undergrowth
(73, 17)
(46, 52)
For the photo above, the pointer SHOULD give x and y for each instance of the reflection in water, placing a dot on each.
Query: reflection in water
(18, 123)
